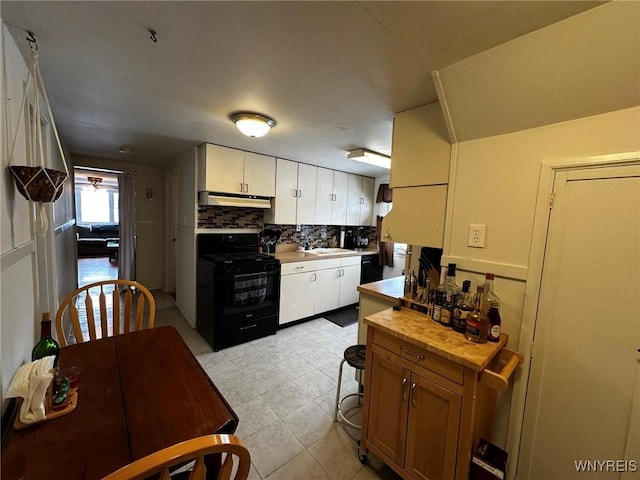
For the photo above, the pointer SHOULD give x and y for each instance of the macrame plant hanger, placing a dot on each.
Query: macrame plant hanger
(37, 183)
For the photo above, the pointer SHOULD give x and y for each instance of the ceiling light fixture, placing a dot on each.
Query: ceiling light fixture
(253, 124)
(372, 158)
(95, 181)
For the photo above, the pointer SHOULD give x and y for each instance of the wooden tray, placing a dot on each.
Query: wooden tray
(50, 414)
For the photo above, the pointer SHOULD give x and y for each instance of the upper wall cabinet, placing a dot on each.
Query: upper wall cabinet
(421, 149)
(295, 200)
(331, 197)
(227, 170)
(360, 200)
(417, 216)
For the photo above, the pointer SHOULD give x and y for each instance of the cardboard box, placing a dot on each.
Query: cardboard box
(489, 462)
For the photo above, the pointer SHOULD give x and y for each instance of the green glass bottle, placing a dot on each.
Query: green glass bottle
(47, 345)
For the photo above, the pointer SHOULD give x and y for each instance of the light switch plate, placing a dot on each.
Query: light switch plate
(477, 235)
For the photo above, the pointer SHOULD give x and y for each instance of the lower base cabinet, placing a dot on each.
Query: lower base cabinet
(422, 412)
(313, 287)
(415, 423)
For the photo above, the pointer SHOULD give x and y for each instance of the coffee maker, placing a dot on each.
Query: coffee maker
(349, 240)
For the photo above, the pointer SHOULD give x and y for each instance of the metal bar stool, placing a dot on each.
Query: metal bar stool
(354, 356)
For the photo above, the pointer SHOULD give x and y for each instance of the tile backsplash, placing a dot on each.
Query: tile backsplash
(242, 217)
(230, 217)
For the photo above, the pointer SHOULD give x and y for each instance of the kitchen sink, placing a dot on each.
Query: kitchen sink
(329, 251)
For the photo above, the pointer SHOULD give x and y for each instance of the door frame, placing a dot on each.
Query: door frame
(171, 230)
(548, 171)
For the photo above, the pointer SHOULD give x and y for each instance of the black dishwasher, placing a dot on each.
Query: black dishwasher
(371, 271)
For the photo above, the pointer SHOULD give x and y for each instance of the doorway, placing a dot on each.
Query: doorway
(97, 224)
(582, 405)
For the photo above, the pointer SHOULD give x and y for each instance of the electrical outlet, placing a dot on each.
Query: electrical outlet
(477, 235)
(298, 228)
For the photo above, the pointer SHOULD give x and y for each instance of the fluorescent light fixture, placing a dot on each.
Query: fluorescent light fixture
(372, 158)
(253, 124)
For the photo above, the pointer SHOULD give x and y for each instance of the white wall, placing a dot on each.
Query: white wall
(149, 216)
(495, 182)
(186, 236)
(34, 274)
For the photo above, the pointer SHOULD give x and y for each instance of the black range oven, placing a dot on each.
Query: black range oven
(238, 290)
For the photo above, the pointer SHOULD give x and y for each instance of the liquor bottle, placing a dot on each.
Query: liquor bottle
(450, 292)
(492, 308)
(438, 300)
(495, 322)
(47, 345)
(477, 322)
(489, 293)
(464, 305)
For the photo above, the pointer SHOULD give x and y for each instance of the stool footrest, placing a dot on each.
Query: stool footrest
(341, 415)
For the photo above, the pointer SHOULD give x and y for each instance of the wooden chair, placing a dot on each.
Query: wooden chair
(194, 449)
(112, 308)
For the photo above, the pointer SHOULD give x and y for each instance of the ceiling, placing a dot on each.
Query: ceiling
(332, 74)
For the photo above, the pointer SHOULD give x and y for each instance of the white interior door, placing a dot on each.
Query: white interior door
(584, 369)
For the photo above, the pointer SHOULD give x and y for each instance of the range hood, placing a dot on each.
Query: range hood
(226, 200)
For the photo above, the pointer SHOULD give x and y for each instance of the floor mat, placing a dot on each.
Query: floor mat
(343, 318)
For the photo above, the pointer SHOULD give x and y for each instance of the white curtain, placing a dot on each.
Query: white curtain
(127, 215)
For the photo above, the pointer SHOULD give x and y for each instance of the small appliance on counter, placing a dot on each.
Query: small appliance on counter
(349, 240)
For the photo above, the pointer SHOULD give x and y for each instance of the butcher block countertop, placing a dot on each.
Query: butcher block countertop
(420, 330)
(390, 289)
(300, 256)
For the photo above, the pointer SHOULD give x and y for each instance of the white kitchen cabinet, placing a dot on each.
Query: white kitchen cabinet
(331, 197)
(337, 286)
(307, 181)
(227, 170)
(417, 216)
(295, 197)
(317, 286)
(421, 150)
(297, 291)
(359, 200)
(327, 285)
(349, 281)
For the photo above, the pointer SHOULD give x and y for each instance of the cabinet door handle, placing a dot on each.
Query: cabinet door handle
(299, 194)
(249, 326)
(246, 188)
(413, 394)
(404, 390)
(241, 187)
(299, 268)
(313, 277)
(404, 350)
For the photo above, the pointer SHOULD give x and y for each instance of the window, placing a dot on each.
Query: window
(96, 206)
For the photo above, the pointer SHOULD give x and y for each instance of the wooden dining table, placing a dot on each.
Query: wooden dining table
(139, 392)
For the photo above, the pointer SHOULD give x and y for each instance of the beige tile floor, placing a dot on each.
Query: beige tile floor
(283, 389)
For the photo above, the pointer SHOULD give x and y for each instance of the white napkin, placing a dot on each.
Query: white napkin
(30, 383)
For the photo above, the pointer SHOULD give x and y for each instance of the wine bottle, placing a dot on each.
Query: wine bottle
(477, 322)
(47, 346)
(450, 292)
